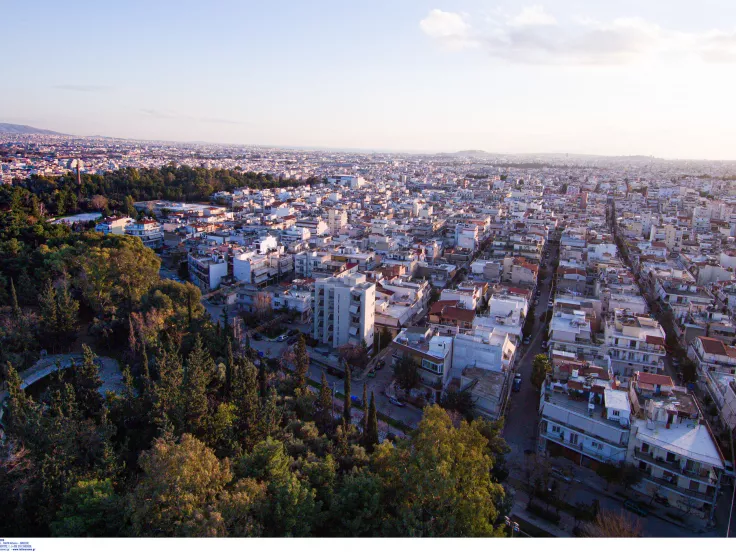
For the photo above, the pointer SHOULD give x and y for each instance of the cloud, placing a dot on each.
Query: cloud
(82, 87)
(534, 36)
(162, 114)
(449, 28)
(532, 16)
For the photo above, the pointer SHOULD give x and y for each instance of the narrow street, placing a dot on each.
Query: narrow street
(521, 419)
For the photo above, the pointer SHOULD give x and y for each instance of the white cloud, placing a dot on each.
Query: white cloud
(532, 16)
(448, 28)
(535, 37)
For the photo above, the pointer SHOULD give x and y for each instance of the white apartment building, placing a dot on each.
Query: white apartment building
(149, 231)
(570, 331)
(634, 343)
(344, 310)
(337, 219)
(466, 236)
(676, 453)
(583, 418)
(207, 271)
(113, 225)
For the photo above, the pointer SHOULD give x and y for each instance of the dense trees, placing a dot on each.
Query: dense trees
(118, 190)
(406, 372)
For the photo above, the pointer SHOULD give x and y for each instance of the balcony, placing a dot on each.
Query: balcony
(703, 475)
(672, 485)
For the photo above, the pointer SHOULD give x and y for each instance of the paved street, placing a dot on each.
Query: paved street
(522, 414)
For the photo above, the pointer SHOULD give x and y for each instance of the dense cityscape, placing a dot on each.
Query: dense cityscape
(223, 340)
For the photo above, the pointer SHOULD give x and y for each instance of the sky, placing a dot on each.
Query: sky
(631, 77)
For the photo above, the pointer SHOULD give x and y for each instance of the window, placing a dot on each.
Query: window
(555, 429)
(573, 438)
(616, 413)
(432, 366)
(670, 457)
(645, 447)
(694, 486)
(596, 446)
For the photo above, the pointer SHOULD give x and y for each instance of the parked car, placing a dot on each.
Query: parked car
(396, 402)
(380, 364)
(372, 374)
(516, 385)
(282, 338)
(527, 340)
(545, 345)
(632, 506)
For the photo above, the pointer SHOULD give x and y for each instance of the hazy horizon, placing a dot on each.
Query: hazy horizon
(415, 77)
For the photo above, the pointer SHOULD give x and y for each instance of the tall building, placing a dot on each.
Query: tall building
(337, 219)
(344, 310)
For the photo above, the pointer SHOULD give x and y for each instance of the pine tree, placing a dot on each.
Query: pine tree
(168, 403)
(245, 398)
(229, 368)
(262, 379)
(347, 405)
(301, 362)
(49, 316)
(365, 410)
(20, 405)
(87, 382)
(371, 434)
(67, 312)
(14, 301)
(199, 369)
(324, 404)
(269, 416)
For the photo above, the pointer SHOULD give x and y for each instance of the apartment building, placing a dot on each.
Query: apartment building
(582, 417)
(113, 225)
(149, 231)
(432, 353)
(634, 343)
(207, 271)
(344, 310)
(672, 447)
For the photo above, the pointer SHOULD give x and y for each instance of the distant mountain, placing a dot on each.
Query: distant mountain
(7, 128)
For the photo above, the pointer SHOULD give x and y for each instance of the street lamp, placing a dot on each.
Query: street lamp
(512, 525)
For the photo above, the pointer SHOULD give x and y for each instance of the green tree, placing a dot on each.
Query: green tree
(129, 207)
(406, 372)
(177, 494)
(247, 404)
(371, 433)
(199, 370)
(357, 509)
(364, 406)
(347, 419)
(323, 408)
(301, 364)
(541, 367)
(87, 382)
(439, 482)
(90, 509)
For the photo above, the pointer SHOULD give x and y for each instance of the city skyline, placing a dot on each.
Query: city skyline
(553, 77)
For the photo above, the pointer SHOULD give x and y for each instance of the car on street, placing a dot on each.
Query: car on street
(396, 402)
(632, 506)
(527, 340)
(380, 364)
(516, 385)
(282, 338)
(545, 345)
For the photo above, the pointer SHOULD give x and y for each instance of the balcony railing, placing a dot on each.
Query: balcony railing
(702, 476)
(671, 484)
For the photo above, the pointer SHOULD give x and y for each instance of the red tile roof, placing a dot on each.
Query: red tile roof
(712, 346)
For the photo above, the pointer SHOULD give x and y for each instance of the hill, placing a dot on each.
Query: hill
(8, 128)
